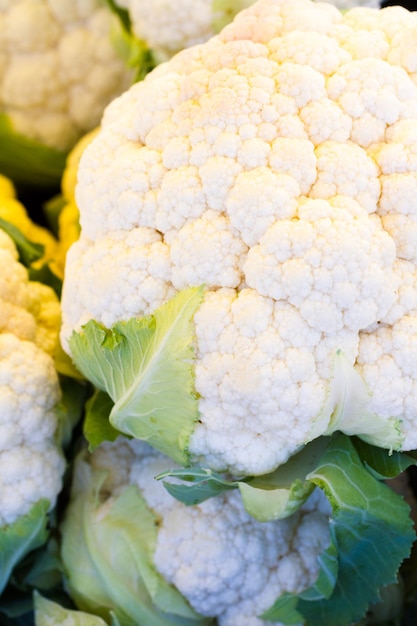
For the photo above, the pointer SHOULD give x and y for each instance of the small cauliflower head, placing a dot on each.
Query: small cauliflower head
(58, 70)
(275, 164)
(223, 562)
(30, 460)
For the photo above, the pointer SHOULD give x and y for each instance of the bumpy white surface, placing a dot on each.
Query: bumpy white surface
(168, 27)
(227, 564)
(31, 464)
(58, 67)
(277, 164)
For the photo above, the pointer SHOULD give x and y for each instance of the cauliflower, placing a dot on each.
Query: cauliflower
(58, 70)
(223, 562)
(275, 165)
(31, 462)
(169, 27)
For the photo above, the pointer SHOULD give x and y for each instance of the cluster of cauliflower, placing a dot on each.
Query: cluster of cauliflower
(274, 164)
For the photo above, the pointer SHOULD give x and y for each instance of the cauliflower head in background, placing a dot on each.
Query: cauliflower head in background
(58, 70)
(31, 462)
(274, 164)
(169, 27)
(212, 557)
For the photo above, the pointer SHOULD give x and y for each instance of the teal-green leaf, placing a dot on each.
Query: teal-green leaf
(201, 484)
(27, 533)
(29, 252)
(269, 497)
(371, 530)
(279, 494)
(382, 463)
(146, 367)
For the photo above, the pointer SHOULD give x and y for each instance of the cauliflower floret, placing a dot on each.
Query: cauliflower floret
(30, 461)
(317, 261)
(132, 284)
(193, 542)
(386, 360)
(258, 199)
(258, 362)
(220, 253)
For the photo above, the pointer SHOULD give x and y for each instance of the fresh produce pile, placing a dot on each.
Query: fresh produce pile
(208, 325)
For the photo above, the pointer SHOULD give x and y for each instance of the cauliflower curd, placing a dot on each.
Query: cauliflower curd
(275, 164)
(223, 562)
(57, 78)
(59, 68)
(169, 27)
(31, 464)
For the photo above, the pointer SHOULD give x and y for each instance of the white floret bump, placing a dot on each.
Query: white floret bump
(31, 465)
(31, 462)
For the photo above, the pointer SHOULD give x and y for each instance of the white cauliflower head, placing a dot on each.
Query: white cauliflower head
(224, 563)
(31, 463)
(58, 68)
(266, 164)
